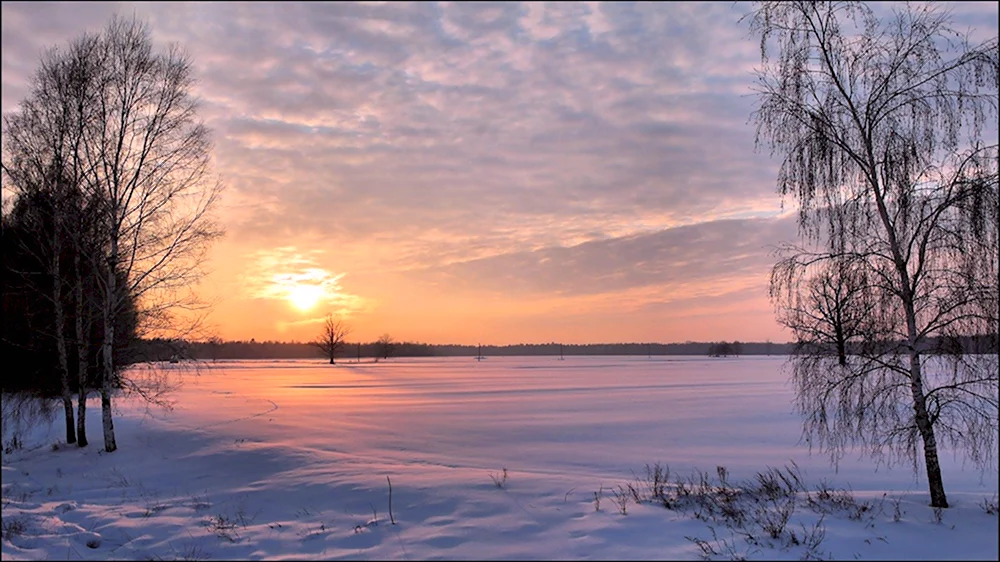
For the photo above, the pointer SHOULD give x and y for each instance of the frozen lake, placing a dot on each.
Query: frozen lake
(593, 416)
(305, 448)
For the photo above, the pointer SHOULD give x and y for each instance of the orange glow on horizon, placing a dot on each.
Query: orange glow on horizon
(282, 294)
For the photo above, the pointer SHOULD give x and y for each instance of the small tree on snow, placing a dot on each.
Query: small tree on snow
(332, 338)
(385, 345)
(826, 311)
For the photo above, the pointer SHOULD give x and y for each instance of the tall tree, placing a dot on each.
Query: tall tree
(880, 126)
(148, 155)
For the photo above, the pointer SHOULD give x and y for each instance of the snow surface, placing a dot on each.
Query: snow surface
(289, 459)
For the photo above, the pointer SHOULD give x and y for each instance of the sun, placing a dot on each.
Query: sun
(305, 297)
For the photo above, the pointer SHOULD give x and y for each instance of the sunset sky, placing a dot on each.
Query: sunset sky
(464, 173)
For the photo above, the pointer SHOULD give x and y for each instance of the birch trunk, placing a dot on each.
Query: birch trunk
(107, 378)
(67, 397)
(925, 427)
(935, 481)
(81, 357)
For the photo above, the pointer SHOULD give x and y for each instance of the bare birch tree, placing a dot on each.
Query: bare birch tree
(112, 125)
(148, 154)
(332, 338)
(880, 125)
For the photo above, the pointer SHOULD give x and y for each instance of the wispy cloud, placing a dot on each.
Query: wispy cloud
(701, 255)
(563, 150)
(385, 122)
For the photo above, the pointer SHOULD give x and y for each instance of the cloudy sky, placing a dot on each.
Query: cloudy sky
(474, 172)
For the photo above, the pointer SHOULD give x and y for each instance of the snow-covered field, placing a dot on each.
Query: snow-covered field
(290, 460)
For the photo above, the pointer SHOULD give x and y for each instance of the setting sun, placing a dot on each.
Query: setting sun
(304, 297)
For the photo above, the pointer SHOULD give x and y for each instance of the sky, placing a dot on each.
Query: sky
(468, 173)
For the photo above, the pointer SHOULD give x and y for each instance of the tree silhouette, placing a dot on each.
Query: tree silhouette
(385, 346)
(879, 124)
(332, 337)
(120, 123)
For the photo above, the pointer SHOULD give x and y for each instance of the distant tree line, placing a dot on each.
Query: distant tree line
(725, 349)
(385, 347)
(217, 349)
